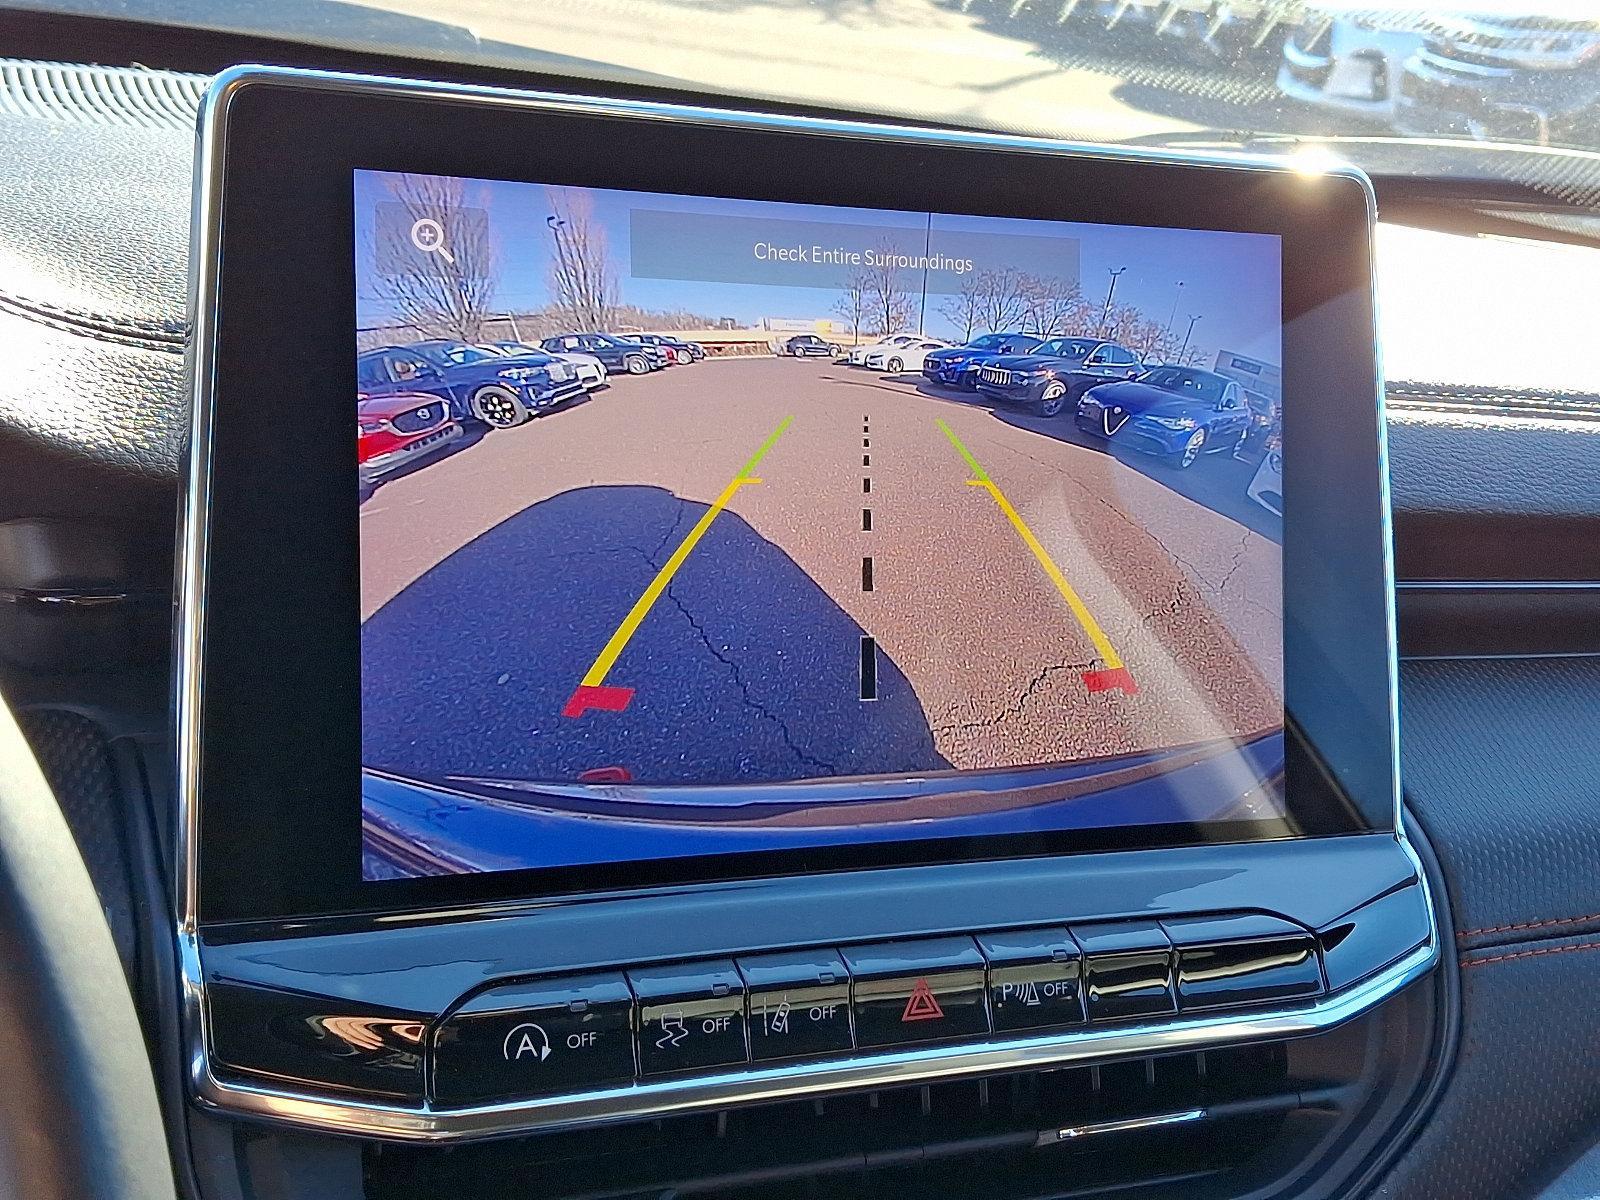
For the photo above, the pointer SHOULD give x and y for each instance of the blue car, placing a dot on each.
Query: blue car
(1178, 413)
(615, 353)
(1050, 378)
(956, 367)
(499, 390)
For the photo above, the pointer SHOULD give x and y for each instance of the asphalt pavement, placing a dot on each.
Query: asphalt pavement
(672, 582)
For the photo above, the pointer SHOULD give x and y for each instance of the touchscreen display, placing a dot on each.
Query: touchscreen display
(695, 526)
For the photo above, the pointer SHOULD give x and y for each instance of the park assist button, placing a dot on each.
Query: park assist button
(1035, 978)
(535, 1039)
(922, 991)
(691, 1015)
(799, 1004)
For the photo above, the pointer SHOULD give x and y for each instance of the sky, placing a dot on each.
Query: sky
(1231, 280)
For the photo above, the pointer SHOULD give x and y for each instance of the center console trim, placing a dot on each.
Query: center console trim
(882, 1069)
(887, 1069)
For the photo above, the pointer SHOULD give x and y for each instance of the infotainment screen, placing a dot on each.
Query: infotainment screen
(693, 526)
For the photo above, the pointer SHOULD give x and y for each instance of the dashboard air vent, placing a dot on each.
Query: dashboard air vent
(86, 95)
(1279, 1118)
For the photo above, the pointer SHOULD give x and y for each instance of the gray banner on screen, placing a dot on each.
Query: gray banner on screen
(707, 248)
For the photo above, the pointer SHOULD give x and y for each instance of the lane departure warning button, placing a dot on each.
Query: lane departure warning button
(923, 991)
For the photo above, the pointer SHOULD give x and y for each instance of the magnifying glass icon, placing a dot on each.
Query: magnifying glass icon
(427, 235)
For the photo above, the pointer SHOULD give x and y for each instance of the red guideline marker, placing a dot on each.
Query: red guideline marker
(606, 775)
(1119, 679)
(607, 699)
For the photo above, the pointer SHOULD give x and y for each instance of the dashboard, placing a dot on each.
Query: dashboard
(608, 871)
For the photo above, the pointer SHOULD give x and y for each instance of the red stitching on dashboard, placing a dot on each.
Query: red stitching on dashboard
(1494, 958)
(1545, 924)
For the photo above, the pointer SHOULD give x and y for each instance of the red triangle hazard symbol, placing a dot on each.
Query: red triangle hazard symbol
(922, 1004)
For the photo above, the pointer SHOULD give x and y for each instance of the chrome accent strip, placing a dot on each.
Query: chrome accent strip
(901, 1068)
(661, 1097)
(1073, 1132)
(1498, 585)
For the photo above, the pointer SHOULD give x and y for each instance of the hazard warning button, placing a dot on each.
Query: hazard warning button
(922, 991)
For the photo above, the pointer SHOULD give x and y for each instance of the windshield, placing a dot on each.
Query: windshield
(1195, 385)
(456, 356)
(1500, 89)
(1067, 348)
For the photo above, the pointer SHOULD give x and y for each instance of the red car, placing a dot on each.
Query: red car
(395, 430)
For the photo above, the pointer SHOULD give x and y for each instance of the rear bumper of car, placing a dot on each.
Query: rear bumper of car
(377, 467)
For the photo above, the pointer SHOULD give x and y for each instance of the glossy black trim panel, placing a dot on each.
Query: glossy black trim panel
(277, 767)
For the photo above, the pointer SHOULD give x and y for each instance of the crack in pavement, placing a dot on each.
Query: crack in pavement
(1015, 708)
(1238, 560)
(745, 697)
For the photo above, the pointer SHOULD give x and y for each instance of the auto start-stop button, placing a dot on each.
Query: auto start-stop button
(536, 1038)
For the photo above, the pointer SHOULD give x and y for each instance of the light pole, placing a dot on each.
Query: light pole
(1171, 316)
(1111, 290)
(1193, 317)
(564, 272)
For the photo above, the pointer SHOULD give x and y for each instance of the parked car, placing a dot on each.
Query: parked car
(1349, 60)
(1266, 486)
(1055, 373)
(677, 349)
(394, 430)
(904, 358)
(858, 354)
(957, 367)
(809, 345)
(591, 371)
(499, 390)
(1178, 413)
(1504, 78)
(618, 354)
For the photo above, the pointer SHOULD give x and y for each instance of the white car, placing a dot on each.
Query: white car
(591, 371)
(1349, 61)
(908, 357)
(858, 354)
(1266, 488)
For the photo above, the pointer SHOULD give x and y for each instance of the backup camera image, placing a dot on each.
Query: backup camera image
(695, 526)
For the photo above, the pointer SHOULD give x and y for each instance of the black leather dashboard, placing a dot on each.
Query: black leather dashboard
(1492, 483)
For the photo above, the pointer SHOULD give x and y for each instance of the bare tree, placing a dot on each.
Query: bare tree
(852, 303)
(1051, 306)
(888, 301)
(1001, 299)
(582, 279)
(448, 292)
(961, 308)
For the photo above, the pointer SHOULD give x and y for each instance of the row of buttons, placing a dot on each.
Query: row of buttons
(576, 1032)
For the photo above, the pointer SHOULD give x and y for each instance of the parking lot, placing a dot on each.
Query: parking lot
(763, 569)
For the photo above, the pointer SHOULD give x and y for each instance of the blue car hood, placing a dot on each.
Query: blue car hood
(1133, 397)
(1032, 362)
